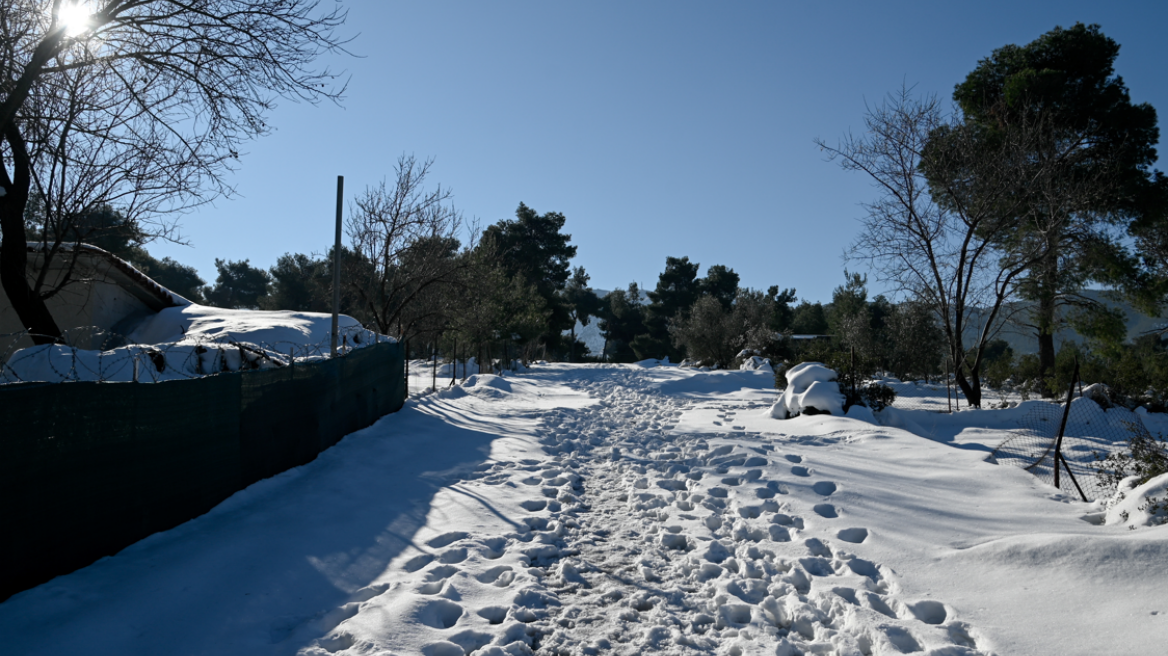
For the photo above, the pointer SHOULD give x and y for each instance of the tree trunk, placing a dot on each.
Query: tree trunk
(1047, 292)
(571, 347)
(970, 386)
(30, 308)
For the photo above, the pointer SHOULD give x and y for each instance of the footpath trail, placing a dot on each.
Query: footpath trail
(640, 539)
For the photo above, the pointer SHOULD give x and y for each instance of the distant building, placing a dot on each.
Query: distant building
(807, 338)
(105, 298)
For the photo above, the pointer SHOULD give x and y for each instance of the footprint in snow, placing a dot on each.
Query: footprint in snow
(800, 471)
(824, 488)
(446, 539)
(853, 535)
(826, 510)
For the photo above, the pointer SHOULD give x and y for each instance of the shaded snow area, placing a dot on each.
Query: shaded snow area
(190, 341)
(636, 509)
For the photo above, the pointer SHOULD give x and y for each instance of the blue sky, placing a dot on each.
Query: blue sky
(658, 128)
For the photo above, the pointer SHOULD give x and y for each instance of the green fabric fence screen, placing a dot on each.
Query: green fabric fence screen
(87, 469)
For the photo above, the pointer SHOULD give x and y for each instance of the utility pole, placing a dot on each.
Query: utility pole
(337, 269)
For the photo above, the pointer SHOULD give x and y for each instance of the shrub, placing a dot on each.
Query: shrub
(877, 396)
(1146, 457)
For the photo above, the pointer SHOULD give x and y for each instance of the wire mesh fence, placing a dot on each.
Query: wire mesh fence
(1091, 433)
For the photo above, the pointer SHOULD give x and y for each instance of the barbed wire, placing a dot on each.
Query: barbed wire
(111, 357)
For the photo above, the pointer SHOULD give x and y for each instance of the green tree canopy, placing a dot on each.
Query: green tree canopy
(1063, 91)
(622, 319)
(721, 282)
(239, 285)
(533, 249)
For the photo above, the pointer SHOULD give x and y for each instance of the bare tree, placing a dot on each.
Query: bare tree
(405, 247)
(143, 102)
(940, 239)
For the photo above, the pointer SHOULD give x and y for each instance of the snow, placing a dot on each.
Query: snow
(190, 341)
(1137, 505)
(627, 509)
(809, 385)
(756, 363)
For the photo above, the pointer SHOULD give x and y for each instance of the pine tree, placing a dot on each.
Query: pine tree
(1063, 87)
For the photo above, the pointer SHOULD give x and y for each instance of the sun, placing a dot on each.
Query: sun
(74, 16)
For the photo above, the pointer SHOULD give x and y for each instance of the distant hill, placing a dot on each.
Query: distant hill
(1023, 340)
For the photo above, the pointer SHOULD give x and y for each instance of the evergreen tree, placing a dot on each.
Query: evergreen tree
(916, 340)
(1063, 87)
(678, 288)
(783, 313)
(533, 249)
(299, 282)
(622, 319)
(809, 319)
(721, 283)
(582, 304)
(848, 301)
(708, 333)
(239, 285)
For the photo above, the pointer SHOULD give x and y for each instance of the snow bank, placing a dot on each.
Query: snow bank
(810, 385)
(1142, 505)
(191, 341)
(200, 323)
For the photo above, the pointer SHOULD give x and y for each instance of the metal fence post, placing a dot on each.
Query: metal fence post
(1058, 445)
(454, 362)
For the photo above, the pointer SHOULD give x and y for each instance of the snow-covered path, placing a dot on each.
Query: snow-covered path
(625, 510)
(693, 544)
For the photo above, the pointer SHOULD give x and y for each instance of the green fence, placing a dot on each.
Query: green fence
(86, 469)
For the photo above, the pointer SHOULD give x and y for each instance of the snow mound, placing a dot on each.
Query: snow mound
(650, 362)
(810, 386)
(487, 385)
(756, 363)
(191, 341)
(1140, 505)
(201, 323)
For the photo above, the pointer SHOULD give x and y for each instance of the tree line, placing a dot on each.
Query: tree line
(1034, 186)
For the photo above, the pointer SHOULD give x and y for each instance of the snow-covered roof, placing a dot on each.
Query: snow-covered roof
(120, 272)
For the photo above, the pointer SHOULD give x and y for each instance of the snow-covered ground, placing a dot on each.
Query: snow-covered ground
(625, 509)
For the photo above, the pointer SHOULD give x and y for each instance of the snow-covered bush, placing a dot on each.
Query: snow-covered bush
(750, 360)
(1140, 478)
(811, 389)
(876, 396)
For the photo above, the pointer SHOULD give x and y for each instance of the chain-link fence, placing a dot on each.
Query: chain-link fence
(1063, 444)
(1090, 434)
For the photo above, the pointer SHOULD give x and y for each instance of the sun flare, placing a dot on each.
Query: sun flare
(74, 16)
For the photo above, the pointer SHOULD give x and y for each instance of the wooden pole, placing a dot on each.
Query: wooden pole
(337, 269)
